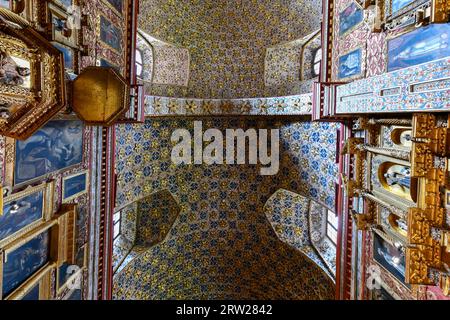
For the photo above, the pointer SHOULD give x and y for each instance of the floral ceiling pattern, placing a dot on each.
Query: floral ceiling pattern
(227, 40)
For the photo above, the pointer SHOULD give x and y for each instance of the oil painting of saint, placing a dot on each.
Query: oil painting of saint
(391, 257)
(21, 213)
(349, 18)
(14, 71)
(74, 185)
(350, 64)
(24, 262)
(422, 45)
(56, 146)
(110, 34)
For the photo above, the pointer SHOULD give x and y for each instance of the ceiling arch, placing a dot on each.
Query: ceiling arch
(227, 39)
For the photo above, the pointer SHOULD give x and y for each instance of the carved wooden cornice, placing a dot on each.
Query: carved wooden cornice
(425, 252)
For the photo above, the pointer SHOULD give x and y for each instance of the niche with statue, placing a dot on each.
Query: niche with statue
(392, 182)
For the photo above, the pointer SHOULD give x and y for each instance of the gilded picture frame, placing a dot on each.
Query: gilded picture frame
(115, 33)
(68, 272)
(12, 163)
(391, 242)
(362, 64)
(358, 17)
(59, 30)
(34, 250)
(32, 88)
(424, 37)
(78, 190)
(37, 287)
(45, 192)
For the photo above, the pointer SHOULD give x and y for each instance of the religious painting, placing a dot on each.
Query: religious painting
(116, 5)
(390, 255)
(25, 210)
(37, 287)
(22, 262)
(28, 96)
(61, 29)
(68, 54)
(419, 46)
(110, 34)
(350, 64)
(75, 185)
(350, 18)
(55, 147)
(14, 70)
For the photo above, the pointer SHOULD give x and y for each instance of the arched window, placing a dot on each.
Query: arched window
(139, 63)
(317, 58)
(332, 226)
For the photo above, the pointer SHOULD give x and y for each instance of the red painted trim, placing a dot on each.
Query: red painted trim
(343, 249)
(112, 193)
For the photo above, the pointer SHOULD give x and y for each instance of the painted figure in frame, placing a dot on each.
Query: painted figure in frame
(402, 177)
(350, 64)
(24, 261)
(422, 45)
(56, 146)
(21, 213)
(349, 18)
(14, 71)
(390, 257)
(74, 185)
(110, 34)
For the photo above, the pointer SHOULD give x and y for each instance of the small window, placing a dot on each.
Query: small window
(317, 58)
(332, 226)
(117, 219)
(139, 63)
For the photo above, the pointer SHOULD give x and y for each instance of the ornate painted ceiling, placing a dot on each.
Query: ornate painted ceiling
(227, 40)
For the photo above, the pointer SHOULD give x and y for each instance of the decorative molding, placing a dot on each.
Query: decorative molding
(289, 105)
(366, 96)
